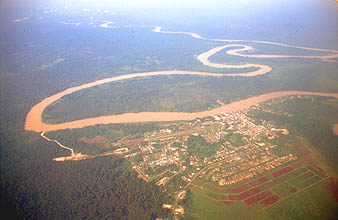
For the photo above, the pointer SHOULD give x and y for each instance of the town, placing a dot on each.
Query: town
(224, 150)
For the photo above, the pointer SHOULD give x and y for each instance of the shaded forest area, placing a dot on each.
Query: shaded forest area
(35, 187)
(190, 93)
(101, 188)
(112, 133)
(198, 146)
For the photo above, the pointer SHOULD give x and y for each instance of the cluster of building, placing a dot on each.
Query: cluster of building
(235, 165)
(163, 154)
(244, 125)
(230, 165)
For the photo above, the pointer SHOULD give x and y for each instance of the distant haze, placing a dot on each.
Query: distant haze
(313, 22)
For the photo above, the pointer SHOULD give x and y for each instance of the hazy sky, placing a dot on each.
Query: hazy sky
(285, 18)
(279, 11)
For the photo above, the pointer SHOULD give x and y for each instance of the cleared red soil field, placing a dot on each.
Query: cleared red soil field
(256, 198)
(228, 202)
(282, 171)
(245, 194)
(262, 179)
(258, 181)
(96, 139)
(293, 189)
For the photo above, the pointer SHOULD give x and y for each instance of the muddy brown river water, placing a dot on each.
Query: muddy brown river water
(34, 116)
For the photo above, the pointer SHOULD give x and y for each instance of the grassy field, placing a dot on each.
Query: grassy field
(291, 175)
(310, 121)
(203, 208)
(306, 192)
(301, 178)
(315, 202)
(283, 190)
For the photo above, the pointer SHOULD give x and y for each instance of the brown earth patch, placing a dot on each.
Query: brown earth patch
(239, 189)
(270, 200)
(106, 145)
(94, 140)
(258, 181)
(293, 189)
(245, 194)
(335, 129)
(262, 179)
(228, 202)
(282, 171)
(254, 199)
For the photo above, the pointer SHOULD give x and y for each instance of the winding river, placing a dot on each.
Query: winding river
(34, 119)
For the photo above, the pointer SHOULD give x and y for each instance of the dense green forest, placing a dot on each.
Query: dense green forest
(90, 189)
(32, 186)
(190, 93)
(111, 132)
(199, 147)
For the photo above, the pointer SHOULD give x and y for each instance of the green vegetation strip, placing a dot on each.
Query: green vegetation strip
(254, 182)
(214, 188)
(291, 175)
(301, 178)
(282, 190)
(198, 182)
(210, 194)
(266, 185)
(307, 182)
(316, 171)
